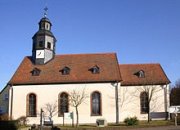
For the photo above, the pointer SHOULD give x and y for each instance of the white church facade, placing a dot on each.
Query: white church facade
(114, 91)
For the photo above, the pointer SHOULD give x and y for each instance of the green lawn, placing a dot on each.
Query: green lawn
(122, 125)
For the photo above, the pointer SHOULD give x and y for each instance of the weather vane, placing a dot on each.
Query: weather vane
(45, 11)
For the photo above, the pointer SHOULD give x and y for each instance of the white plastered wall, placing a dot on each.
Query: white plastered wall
(130, 101)
(49, 94)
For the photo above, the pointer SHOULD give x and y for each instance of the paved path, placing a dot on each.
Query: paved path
(150, 128)
(159, 128)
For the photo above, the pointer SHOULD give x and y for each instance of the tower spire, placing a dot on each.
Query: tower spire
(43, 42)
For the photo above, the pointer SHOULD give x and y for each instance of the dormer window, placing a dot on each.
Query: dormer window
(65, 70)
(35, 72)
(95, 70)
(140, 74)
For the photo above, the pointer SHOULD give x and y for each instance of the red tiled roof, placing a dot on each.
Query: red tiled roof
(79, 65)
(154, 74)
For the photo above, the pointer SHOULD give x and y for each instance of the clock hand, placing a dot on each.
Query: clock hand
(39, 54)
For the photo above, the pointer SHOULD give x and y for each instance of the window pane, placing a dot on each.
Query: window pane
(63, 103)
(96, 108)
(32, 105)
(41, 44)
(49, 45)
(144, 102)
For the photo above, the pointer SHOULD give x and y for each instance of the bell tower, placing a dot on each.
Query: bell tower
(44, 41)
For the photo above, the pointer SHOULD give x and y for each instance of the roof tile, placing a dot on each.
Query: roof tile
(154, 74)
(79, 65)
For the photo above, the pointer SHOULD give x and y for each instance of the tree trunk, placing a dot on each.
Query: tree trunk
(148, 117)
(77, 117)
(148, 112)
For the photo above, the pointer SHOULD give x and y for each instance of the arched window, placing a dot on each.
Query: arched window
(47, 27)
(95, 104)
(144, 102)
(41, 44)
(49, 45)
(31, 105)
(63, 103)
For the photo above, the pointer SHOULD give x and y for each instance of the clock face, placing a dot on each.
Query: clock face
(40, 54)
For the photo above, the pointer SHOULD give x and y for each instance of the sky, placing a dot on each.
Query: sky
(139, 31)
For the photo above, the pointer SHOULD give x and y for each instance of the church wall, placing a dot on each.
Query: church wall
(4, 102)
(130, 102)
(49, 94)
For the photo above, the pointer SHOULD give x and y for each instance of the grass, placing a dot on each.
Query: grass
(122, 126)
(155, 123)
(143, 124)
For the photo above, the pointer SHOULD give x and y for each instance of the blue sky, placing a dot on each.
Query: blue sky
(139, 31)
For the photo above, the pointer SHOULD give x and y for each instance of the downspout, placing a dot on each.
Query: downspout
(10, 101)
(166, 103)
(115, 84)
(117, 104)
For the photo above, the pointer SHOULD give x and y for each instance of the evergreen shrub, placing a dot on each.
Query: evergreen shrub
(131, 121)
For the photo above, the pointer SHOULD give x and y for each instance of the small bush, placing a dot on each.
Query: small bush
(131, 121)
(22, 121)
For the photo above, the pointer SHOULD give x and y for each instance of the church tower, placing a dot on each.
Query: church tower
(43, 42)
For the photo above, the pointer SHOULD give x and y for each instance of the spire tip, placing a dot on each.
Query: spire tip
(45, 11)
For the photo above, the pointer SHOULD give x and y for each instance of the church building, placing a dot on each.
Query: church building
(114, 91)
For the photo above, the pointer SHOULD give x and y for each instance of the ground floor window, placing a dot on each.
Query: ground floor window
(63, 103)
(31, 105)
(95, 103)
(144, 102)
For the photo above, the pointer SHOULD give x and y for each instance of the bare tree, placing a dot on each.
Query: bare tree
(175, 94)
(150, 91)
(125, 97)
(76, 98)
(51, 109)
(177, 84)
